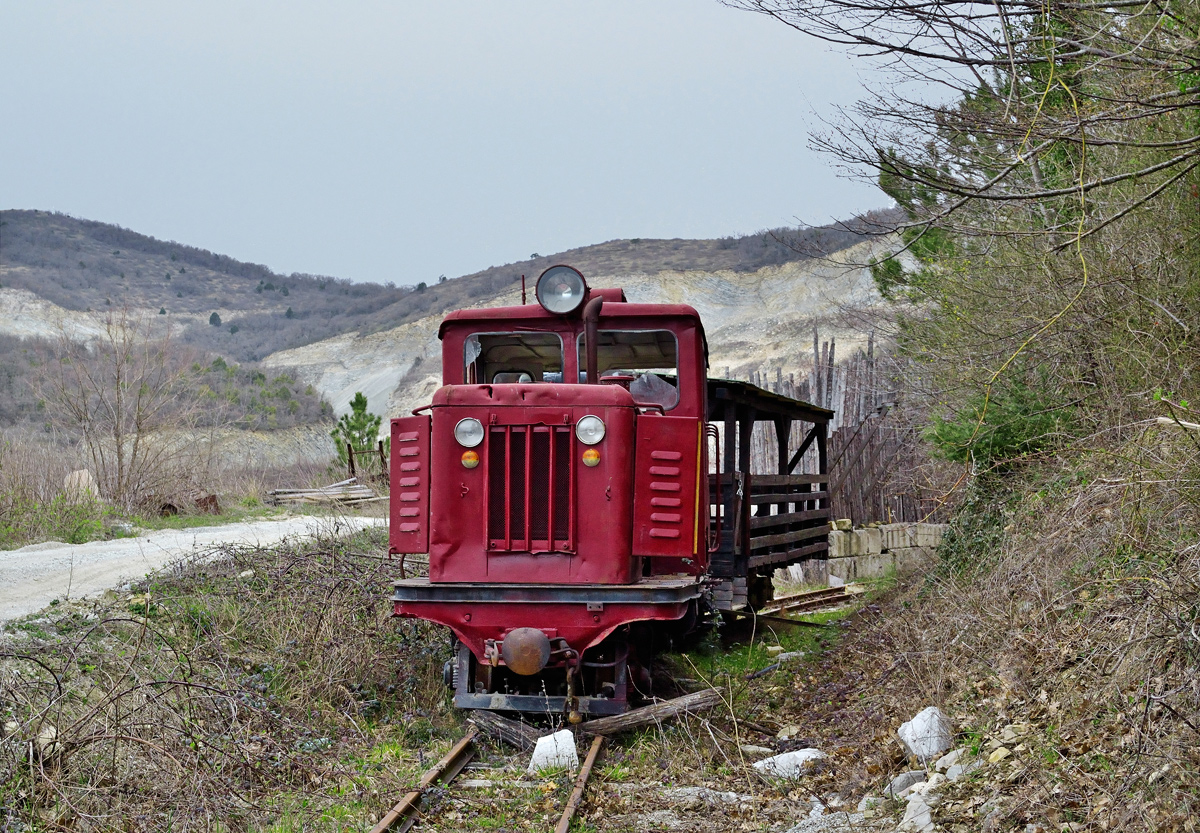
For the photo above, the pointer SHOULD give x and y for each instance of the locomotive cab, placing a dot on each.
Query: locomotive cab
(558, 482)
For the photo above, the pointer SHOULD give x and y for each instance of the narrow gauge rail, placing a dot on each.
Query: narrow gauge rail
(406, 812)
(801, 602)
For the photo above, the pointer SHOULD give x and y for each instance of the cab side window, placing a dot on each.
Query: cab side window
(644, 361)
(507, 358)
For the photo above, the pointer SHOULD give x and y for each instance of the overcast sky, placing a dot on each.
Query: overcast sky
(397, 141)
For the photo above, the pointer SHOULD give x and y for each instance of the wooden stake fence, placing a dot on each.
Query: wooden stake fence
(879, 467)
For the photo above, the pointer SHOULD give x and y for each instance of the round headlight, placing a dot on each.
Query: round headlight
(590, 430)
(561, 290)
(469, 432)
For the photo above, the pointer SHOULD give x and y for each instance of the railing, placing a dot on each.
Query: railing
(770, 520)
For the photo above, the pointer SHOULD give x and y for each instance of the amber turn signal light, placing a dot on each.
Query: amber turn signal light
(591, 458)
(470, 459)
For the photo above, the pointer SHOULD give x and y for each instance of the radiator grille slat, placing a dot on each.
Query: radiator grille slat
(530, 488)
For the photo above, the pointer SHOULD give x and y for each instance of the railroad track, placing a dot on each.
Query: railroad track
(800, 602)
(406, 813)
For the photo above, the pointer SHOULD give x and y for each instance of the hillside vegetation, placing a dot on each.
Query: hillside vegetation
(86, 265)
(1053, 208)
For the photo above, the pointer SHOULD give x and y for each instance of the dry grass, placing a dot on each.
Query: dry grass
(245, 687)
(1069, 614)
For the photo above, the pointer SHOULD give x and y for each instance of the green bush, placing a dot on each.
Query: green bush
(1014, 421)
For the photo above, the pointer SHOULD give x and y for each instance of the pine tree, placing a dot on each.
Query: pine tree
(359, 428)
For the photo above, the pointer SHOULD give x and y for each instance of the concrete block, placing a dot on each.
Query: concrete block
(908, 559)
(896, 536)
(928, 535)
(858, 567)
(866, 542)
(554, 751)
(839, 544)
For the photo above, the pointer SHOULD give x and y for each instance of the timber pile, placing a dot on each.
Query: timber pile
(343, 492)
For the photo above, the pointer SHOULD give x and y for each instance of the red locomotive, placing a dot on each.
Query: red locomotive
(561, 485)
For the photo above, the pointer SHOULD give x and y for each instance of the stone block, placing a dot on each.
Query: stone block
(859, 567)
(908, 559)
(897, 536)
(839, 544)
(866, 542)
(928, 535)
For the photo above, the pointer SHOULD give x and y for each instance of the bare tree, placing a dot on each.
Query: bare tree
(129, 395)
(1046, 155)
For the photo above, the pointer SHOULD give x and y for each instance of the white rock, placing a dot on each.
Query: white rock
(834, 581)
(903, 781)
(246, 574)
(869, 802)
(80, 486)
(932, 783)
(959, 770)
(948, 760)
(790, 764)
(830, 823)
(755, 751)
(927, 735)
(554, 751)
(47, 741)
(918, 816)
(695, 796)
(789, 656)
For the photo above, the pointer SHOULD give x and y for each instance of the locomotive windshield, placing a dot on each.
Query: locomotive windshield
(644, 361)
(512, 357)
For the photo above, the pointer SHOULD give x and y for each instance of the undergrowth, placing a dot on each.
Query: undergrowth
(245, 687)
(1067, 603)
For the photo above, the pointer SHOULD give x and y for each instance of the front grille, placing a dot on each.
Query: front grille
(529, 488)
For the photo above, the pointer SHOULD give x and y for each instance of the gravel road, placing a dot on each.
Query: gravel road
(33, 576)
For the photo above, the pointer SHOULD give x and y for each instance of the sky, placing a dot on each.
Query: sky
(397, 141)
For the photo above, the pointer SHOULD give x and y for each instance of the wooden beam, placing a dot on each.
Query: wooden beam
(650, 715)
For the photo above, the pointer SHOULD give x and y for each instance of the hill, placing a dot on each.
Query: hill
(80, 265)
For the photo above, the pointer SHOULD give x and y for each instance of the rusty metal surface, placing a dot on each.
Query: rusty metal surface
(404, 814)
(576, 798)
(525, 650)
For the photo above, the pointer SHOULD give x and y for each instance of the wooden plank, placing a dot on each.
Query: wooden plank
(787, 518)
(653, 714)
(789, 537)
(763, 480)
(502, 728)
(786, 497)
(812, 551)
